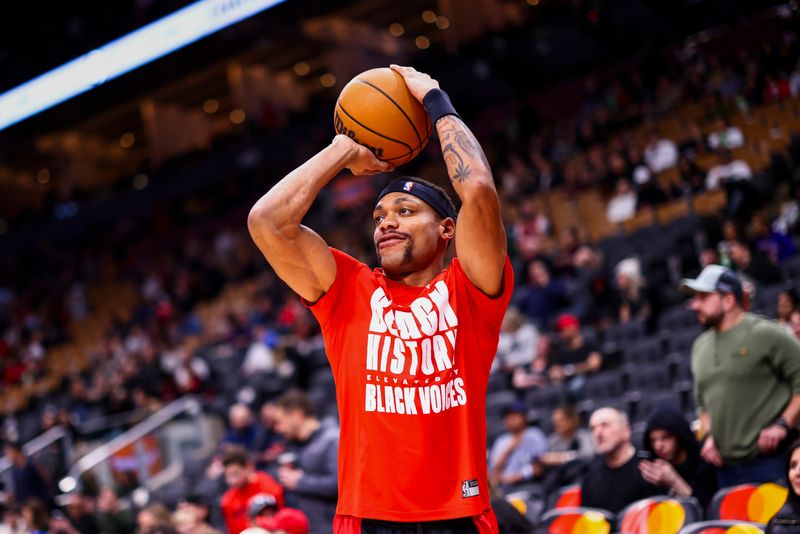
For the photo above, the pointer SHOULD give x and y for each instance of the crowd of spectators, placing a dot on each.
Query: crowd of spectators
(569, 294)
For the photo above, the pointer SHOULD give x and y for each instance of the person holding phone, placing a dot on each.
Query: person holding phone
(670, 457)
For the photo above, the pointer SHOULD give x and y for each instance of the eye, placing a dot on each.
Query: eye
(405, 211)
(378, 219)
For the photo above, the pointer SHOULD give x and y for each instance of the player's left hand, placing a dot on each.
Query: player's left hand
(418, 83)
(770, 438)
(289, 477)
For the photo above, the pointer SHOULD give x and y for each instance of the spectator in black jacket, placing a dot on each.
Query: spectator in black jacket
(787, 520)
(310, 475)
(676, 464)
(615, 465)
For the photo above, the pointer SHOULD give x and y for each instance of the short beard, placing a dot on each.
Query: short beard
(408, 254)
(712, 322)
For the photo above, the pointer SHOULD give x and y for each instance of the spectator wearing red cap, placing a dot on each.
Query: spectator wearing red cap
(244, 482)
(573, 357)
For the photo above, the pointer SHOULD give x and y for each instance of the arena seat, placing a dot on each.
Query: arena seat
(682, 340)
(723, 527)
(607, 384)
(791, 269)
(766, 299)
(650, 376)
(497, 402)
(748, 502)
(649, 238)
(659, 515)
(547, 397)
(644, 350)
(625, 332)
(568, 497)
(646, 401)
(577, 520)
(615, 248)
(677, 318)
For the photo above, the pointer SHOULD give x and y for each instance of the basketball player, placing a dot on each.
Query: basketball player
(410, 343)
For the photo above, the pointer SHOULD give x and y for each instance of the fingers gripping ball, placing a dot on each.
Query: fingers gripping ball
(377, 110)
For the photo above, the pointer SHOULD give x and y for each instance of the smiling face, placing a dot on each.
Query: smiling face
(409, 235)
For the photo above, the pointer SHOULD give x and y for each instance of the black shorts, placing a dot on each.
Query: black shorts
(463, 525)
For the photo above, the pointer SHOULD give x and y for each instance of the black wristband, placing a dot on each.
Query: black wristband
(781, 422)
(438, 105)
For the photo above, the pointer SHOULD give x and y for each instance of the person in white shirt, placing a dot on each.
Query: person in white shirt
(725, 136)
(727, 170)
(517, 344)
(622, 205)
(661, 153)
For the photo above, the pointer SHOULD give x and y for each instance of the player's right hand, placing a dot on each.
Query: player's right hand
(358, 158)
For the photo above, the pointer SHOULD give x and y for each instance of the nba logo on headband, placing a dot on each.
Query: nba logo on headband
(407, 186)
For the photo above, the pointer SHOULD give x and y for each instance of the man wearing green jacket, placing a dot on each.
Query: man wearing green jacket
(746, 382)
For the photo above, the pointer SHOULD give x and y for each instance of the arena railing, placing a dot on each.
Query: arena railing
(58, 434)
(151, 452)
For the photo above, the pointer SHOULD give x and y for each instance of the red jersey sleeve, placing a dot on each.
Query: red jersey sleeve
(337, 306)
(490, 309)
(330, 304)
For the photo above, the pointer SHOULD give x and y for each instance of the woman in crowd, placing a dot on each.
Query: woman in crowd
(787, 304)
(787, 520)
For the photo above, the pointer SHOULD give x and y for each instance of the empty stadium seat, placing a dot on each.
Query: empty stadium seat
(652, 376)
(497, 402)
(608, 384)
(545, 398)
(766, 299)
(748, 502)
(791, 269)
(723, 527)
(623, 333)
(677, 318)
(644, 350)
(577, 520)
(682, 340)
(648, 400)
(659, 515)
(650, 238)
(568, 497)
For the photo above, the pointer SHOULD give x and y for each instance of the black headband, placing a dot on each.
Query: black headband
(434, 198)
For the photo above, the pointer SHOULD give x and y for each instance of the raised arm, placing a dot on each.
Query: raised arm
(480, 237)
(300, 257)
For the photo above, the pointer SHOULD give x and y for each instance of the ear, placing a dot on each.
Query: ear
(447, 229)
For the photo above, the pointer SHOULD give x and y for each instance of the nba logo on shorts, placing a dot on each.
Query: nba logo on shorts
(407, 186)
(469, 488)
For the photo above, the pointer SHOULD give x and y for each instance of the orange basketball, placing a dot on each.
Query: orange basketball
(377, 110)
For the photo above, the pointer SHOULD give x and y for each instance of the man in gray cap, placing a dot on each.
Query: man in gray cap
(746, 382)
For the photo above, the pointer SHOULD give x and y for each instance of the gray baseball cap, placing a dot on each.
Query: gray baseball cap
(715, 278)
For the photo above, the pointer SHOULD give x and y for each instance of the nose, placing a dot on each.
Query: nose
(387, 223)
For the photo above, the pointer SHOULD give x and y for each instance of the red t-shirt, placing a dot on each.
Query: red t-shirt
(234, 501)
(411, 366)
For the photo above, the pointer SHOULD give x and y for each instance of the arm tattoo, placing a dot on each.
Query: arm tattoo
(458, 147)
(455, 163)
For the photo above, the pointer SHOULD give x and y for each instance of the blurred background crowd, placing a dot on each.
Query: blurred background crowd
(638, 161)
